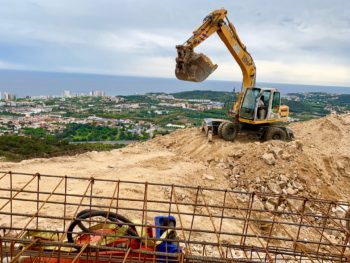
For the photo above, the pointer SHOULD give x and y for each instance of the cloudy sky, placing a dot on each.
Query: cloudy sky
(299, 41)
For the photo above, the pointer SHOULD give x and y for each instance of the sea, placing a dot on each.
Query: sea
(34, 83)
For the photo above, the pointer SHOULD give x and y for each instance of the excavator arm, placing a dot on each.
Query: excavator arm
(191, 66)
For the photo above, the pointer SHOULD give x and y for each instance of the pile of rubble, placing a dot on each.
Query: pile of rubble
(309, 166)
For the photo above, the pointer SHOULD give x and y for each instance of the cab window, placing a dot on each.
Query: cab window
(250, 98)
(249, 102)
(266, 94)
(276, 102)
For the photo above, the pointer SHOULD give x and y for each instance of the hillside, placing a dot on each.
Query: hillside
(316, 164)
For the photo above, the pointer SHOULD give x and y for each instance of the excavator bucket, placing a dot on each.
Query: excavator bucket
(191, 66)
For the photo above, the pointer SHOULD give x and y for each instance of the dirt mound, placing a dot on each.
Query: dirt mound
(316, 164)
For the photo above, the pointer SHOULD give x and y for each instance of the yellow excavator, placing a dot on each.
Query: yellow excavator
(258, 111)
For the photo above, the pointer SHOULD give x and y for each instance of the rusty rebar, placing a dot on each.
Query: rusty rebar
(204, 223)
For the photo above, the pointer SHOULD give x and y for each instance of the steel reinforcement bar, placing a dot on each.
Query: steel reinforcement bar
(41, 221)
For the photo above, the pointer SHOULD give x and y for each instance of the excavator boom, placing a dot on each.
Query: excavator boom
(191, 66)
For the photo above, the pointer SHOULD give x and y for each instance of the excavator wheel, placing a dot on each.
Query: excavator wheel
(275, 133)
(221, 126)
(229, 131)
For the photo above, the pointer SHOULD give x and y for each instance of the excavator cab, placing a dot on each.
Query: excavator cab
(261, 104)
(191, 66)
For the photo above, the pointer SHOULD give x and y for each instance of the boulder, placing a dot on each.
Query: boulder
(269, 158)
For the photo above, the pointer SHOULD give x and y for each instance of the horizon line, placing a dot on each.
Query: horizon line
(160, 77)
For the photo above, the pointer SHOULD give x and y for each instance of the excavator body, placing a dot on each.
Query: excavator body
(256, 109)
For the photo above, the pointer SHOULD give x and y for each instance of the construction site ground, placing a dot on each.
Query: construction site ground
(316, 164)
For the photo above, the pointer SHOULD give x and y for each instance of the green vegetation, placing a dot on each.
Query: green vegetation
(18, 148)
(221, 96)
(300, 107)
(88, 132)
(36, 133)
(341, 100)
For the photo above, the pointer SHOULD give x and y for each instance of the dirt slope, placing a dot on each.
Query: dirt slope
(316, 164)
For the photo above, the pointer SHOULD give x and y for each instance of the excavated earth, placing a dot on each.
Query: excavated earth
(315, 164)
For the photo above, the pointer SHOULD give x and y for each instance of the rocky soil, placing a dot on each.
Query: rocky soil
(315, 164)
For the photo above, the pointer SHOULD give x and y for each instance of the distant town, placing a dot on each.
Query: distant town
(71, 123)
(136, 115)
(140, 116)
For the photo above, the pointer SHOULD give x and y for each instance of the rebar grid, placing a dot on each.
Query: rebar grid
(213, 225)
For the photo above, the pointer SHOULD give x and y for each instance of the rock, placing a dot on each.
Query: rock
(233, 178)
(281, 208)
(275, 188)
(283, 178)
(299, 145)
(227, 172)
(269, 206)
(269, 158)
(238, 154)
(239, 254)
(230, 162)
(286, 156)
(291, 191)
(235, 170)
(298, 185)
(208, 177)
(276, 151)
(233, 184)
(209, 159)
(221, 165)
(295, 204)
(110, 166)
(282, 184)
(340, 165)
(340, 211)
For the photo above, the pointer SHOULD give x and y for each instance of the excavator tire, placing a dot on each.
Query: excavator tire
(275, 133)
(221, 126)
(229, 131)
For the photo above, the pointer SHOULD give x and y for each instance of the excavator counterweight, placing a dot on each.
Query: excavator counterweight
(191, 66)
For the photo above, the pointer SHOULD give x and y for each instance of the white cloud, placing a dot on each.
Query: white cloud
(291, 41)
(134, 41)
(150, 67)
(298, 73)
(9, 65)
